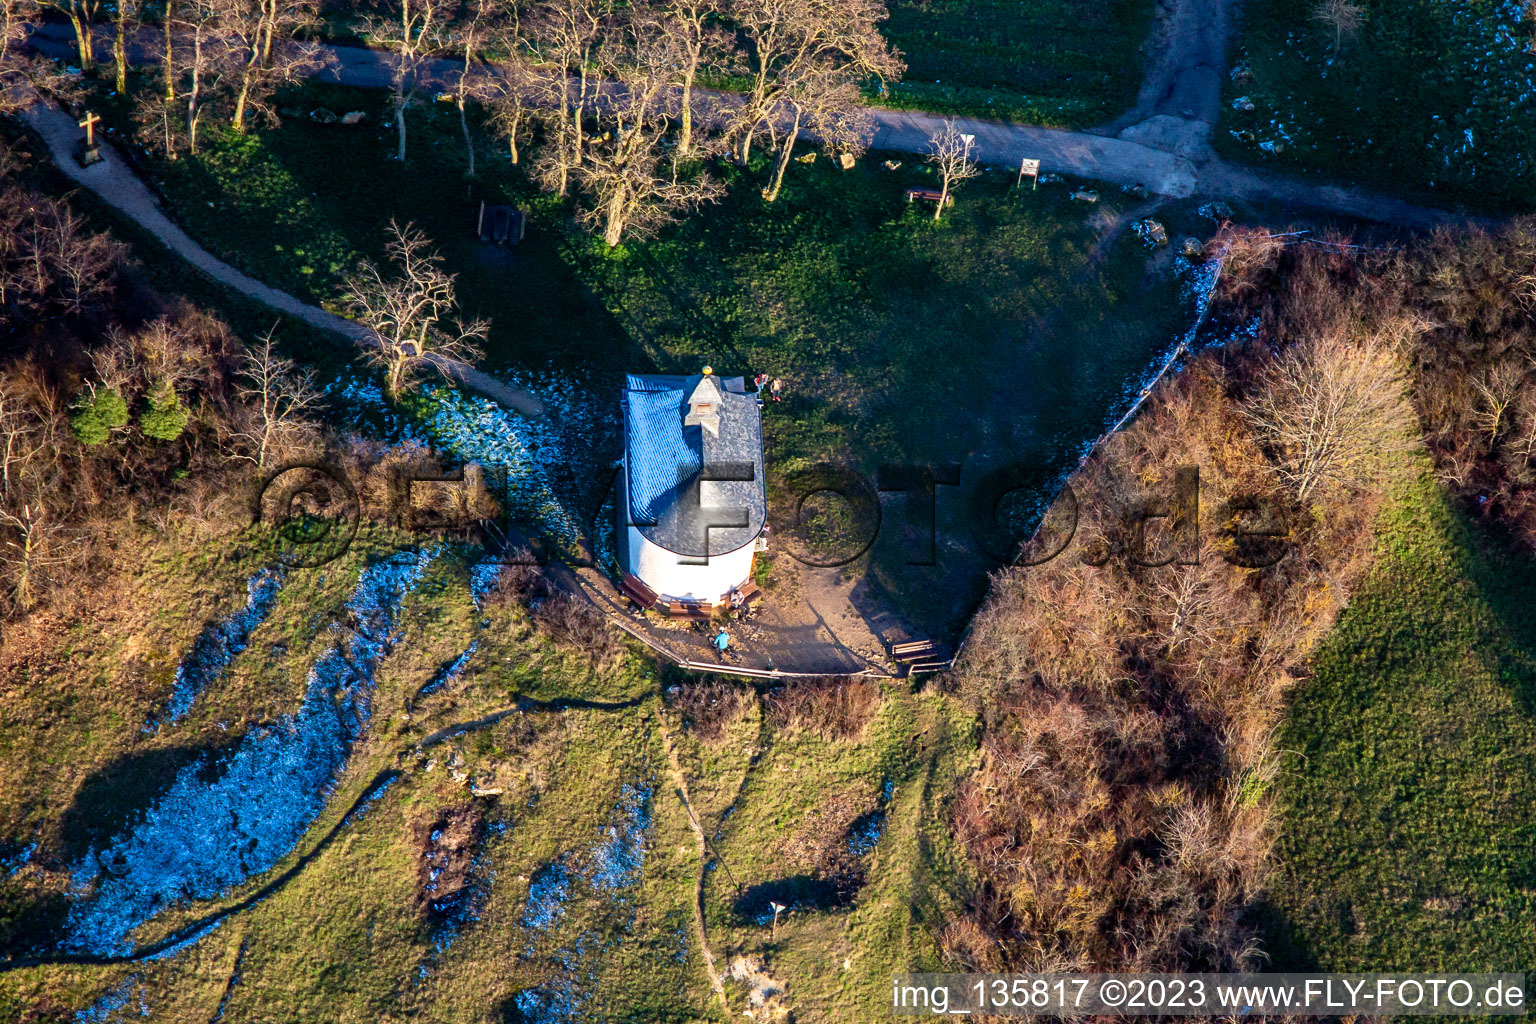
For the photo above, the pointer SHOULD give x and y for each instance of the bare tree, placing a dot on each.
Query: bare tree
(1332, 409)
(206, 63)
(1497, 389)
(82, 15)
(1343, 16)
(701, 44)
(262, 35)
(408, 31)
(621, 171)
(28, 548)
(828, 108)
(168, 50)
(124, 14)
(410, 309)
(951, 153)
(24, 75)
(21, 438)
(795, 48)
(631, 192)
(508, 95)
(465, 35)
(278, 394)
(567, 35)
(49, 264)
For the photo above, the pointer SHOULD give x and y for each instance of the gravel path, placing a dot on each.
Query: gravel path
(1163, 143)
(114, 181)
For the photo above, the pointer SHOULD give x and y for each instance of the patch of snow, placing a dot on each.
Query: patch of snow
(217, 646)
(203, 836)
(548, 893)
(617, 860)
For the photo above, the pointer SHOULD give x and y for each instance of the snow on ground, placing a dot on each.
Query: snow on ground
(610, 866)
(449, 672)
(20, 859)
(465, 907)
(471, 428)
(484, 578)
(617, 859)
(116, 1003)
(219, 823)
(217, 646)
(1485, 111)
(476, 429)
(864, 835)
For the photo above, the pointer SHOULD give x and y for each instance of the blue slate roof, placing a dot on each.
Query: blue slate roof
(665, 462)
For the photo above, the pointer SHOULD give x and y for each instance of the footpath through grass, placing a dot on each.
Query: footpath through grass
(1064, 63)
(1464, 132)
(1407, 835)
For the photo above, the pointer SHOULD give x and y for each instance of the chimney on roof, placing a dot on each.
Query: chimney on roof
(704, 404)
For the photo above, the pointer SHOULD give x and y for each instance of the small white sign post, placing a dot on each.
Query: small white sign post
(1031, 168)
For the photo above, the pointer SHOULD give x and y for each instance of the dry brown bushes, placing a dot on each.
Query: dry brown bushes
(1129, 686)
(835, 708)
(1475, 367)
(708, 708)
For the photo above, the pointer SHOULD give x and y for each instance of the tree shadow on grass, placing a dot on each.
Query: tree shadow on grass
(108, 803)
(542, 313)
(1503, 569)
(796, 893)
(115, 797)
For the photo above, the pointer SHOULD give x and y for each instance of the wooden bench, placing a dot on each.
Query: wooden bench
(915, 650)
(636, 590)
(920, 656)
(932, 195)
(687, 610)
(748, 592)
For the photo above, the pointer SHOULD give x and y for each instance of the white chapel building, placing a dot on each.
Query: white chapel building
(692, 504)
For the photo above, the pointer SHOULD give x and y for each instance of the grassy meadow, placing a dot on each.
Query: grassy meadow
(1367, 111)
(576, 896)
(1406, 822)
(1063, 63)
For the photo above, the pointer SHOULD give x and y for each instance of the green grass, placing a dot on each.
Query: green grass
(1376, 116)
(343, 940)
(901, 339)
(1065, 63)
(1407, 832)
(837, 962)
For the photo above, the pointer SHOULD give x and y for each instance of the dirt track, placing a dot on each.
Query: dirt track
(114, 181)
(1163, 143)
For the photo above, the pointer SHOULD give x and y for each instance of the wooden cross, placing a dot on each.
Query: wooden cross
(89, 124)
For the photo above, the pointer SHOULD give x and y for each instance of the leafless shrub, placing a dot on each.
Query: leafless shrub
(573, 621)
(835, 708)
(50, 264)
(950, 153)
(411, 307)
(1249, 255)
(1333, 410)
(1344, 17)
(708, 709)
(1119, 816)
